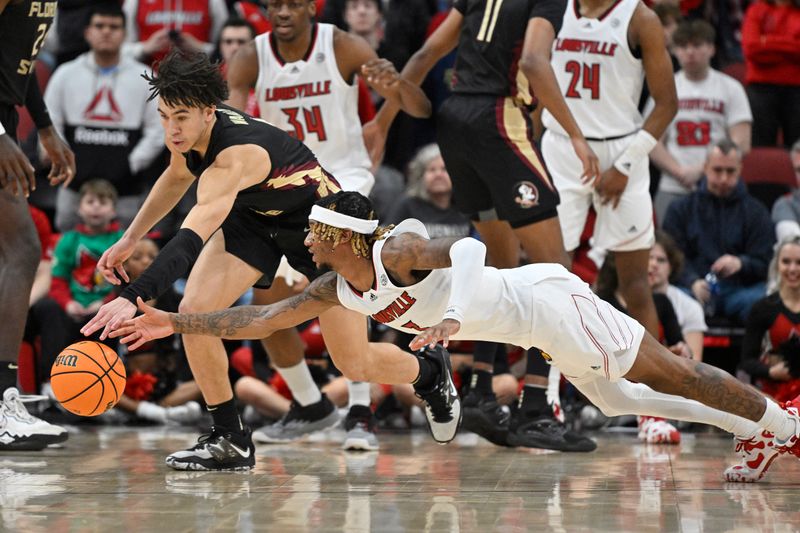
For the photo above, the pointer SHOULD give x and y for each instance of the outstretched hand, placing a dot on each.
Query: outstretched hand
(432, 335)
(110, 317)
(152, 324)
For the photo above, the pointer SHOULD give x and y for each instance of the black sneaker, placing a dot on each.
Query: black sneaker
(299, 422)
(218, 450)
(442, 406)
(360, 426)
(484, 416)
(545, 431)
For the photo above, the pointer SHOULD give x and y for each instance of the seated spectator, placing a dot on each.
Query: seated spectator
(77, 290)
(155, 26)
(666, 262)
(786, 211)
(771, 43)
(430, 194)
(711, 106)
(160, 386)
(41, 283)
(99, 103)
(723, 232)
(771, 345)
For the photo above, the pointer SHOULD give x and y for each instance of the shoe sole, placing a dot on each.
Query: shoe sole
(546, 444)
(321, 425)
(474, 420)
(198, 467)
(33, 444)
(359, 444)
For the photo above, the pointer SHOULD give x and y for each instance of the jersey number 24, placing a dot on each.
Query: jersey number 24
(590, 73)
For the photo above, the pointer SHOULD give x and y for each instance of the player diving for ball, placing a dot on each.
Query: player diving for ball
(441, 290)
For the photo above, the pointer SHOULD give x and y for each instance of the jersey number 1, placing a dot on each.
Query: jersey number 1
(590, 75)
(313, 122)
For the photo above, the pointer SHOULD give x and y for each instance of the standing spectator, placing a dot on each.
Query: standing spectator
(235, 33)
(786, 211)
(711, 107)
(770, 349)
(154, 26)
(99, 102)
(77, 290)
(771, 42)
(666, 263)
(725, 232)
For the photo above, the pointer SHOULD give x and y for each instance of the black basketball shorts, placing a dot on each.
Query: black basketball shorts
(487, 145)
(260, 241)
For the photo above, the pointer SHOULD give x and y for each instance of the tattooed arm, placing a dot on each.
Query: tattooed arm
(245, 322)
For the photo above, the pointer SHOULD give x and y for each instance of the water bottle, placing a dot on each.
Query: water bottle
(713, 294)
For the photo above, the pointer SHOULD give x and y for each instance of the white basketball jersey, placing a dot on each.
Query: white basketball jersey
(706, 109)
(502, 307)
(599, 76)
(312, 102)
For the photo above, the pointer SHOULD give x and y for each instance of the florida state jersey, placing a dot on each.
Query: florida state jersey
(503, 307)
(598, 73)
(312, 102)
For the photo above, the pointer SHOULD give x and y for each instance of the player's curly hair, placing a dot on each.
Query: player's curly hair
(355, 205)
(187, 78)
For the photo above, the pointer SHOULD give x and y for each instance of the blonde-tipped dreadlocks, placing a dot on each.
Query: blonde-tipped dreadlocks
(356, 205)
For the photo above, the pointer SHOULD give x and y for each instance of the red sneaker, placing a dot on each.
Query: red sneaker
(654, 430)
(756, 455)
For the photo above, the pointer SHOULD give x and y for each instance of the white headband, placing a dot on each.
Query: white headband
(339, 220)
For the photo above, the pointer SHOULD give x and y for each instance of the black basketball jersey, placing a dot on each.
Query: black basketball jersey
(296, 179)
(23, 26)
(490, 45)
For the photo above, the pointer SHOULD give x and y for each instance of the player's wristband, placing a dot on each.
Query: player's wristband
(2, 129)
(174, 260)
(637, 150)
(467, 257)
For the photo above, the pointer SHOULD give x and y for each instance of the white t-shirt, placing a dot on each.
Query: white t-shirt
(688, 310)
(706, 109)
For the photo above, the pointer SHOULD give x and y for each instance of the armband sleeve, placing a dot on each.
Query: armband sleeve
(467, 258)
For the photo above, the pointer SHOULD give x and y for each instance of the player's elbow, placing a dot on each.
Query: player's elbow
(533, 65)
(667, 104)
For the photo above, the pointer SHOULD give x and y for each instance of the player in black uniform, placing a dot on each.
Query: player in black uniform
(23, 27)
(485, 134)
(256, 187)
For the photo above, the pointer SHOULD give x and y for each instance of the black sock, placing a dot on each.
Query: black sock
(533, 400)
(8, 376)
(428, 372)
(481, 382)
(226, 417)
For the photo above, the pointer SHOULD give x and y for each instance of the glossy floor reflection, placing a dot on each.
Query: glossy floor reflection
(114, 479)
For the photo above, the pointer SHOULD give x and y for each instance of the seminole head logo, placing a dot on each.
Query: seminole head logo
(526, 194)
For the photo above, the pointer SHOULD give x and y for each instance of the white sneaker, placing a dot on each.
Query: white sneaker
(755, 456)
(20, 430)
(654, 430)
(188, 413)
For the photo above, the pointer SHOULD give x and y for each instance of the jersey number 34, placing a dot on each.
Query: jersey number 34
(311, 122)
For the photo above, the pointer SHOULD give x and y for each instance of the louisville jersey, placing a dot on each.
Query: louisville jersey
(295, 181)
(706, 110)
(490, 45)
(312, 102)
(599, 75)
(501, 307)
(23, 28)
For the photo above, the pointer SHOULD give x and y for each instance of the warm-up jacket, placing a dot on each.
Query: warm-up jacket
(707, 227)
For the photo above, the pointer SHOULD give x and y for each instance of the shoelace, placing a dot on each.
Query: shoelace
(15, 407)
(205, 438)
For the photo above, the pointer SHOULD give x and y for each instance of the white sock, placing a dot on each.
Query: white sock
(151, 411)
(298, 379)
(358, 393)
(624, 397)
(777, 421)
(553, 385)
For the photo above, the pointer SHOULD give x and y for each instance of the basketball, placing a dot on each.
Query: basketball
(88, 378)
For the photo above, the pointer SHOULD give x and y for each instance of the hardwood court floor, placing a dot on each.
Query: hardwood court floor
(114, 479)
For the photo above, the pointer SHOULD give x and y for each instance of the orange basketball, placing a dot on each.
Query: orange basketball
(88, 378)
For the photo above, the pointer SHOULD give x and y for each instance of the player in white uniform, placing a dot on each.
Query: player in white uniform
(601, 56)
(711, 106)
(304, 79)
(440, 289)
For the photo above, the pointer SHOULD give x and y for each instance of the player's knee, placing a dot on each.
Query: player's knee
(20, 256)
(191, 304)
